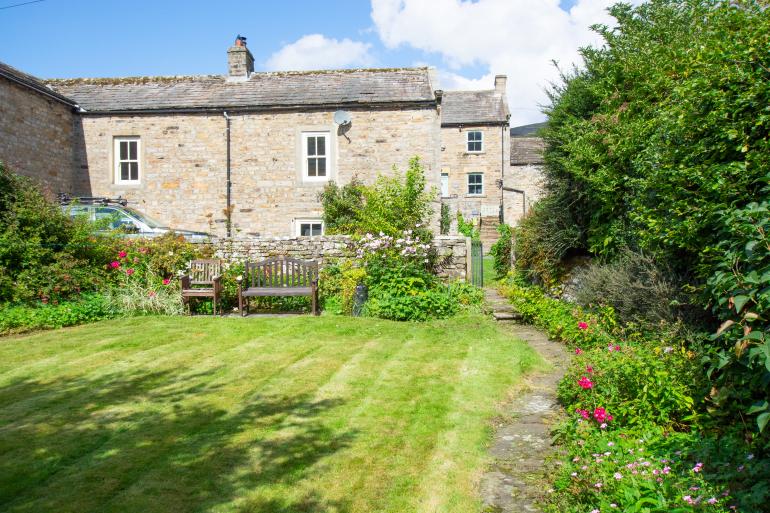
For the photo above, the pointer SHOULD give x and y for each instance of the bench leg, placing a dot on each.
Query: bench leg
(240, 300)
(214, 305)
(314, 301)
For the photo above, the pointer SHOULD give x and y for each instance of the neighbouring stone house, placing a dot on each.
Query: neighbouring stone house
(168, 144)
(474, 149)
(524, 179)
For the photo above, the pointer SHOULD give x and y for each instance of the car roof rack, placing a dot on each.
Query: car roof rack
(66, 199)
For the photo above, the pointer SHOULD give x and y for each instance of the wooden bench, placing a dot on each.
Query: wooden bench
(278, 276)
(202, 280)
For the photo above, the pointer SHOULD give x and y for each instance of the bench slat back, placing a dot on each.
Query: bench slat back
(281, 272)
(203, 271)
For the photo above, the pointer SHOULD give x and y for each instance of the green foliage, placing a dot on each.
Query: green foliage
(467, 228)
(638, 435)
(43, 254)
(445, 219)
(390, 206)
(501, 251)
(338, 286)
(739, 358)
(88, 308)
(544, 237)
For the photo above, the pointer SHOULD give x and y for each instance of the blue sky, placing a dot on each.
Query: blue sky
(468, 42)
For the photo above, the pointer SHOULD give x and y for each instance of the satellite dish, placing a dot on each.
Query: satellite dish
(342, 117)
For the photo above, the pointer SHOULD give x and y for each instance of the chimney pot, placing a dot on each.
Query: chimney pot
(500, 83)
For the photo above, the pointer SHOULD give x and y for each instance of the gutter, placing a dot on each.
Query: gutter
(257, 109)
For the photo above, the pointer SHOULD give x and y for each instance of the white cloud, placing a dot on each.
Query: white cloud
(315, 51)
(518, 38)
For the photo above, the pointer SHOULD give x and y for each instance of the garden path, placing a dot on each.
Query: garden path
(522, 442)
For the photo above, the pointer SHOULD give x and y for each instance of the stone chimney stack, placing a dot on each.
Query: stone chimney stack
(500, 82)
(240, 62)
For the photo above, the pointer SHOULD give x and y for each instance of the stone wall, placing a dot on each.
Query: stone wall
(458, 163)
(528, 178)
(453, 251)
(183, 160)
(37, 137)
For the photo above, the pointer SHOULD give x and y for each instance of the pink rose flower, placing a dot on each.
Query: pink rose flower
(115, 264)
(585, 383)
(578, 351)
(589, 369)
(151, 293)
(129, 271)
(166, 281)
(122, 254)
(583, 325)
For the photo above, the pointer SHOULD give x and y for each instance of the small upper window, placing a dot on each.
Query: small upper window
(310, 228)
(475, 141)
(445, 184)
(315, 155)
(475, 184)
(126, 160)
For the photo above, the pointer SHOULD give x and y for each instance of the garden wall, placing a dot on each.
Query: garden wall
(453, 251)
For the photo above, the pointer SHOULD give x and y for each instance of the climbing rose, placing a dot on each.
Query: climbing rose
(122, 254)
(115, 264)
(129, 272)
(583, 413)
(166, 281)
(585, 383)
(601, 415)
(583, 325)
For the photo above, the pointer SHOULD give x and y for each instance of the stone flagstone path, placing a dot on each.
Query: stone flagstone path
(522, 441)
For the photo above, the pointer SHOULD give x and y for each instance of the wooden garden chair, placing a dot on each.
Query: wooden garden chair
(203, 279)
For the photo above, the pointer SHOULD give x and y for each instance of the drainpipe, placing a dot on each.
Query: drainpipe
(502, 174)
(228, 222)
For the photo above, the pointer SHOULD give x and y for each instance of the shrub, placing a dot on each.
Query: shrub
(635, 286)
(44, 255)
(502, 250)
(544, 237)
(88, 308)
(467, 228)
(390, 205)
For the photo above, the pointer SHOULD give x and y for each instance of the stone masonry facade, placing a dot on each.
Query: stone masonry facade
(37, 136)
(453, 252)
(183, 162)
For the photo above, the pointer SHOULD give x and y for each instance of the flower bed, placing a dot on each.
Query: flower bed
(638, 436)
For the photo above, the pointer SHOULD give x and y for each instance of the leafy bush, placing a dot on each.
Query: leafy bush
(635, 286)
(44, 255)
(390, 205)
(739, 359)
(502, 250)
(467, 228)
(544, 237)
(88, 308)
(338, 286)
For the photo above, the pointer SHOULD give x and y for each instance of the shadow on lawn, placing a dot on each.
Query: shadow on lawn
(157, 441)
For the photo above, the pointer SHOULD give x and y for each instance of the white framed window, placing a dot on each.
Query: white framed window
(127, 168)
(475, 184)
(445, 185)
(309, 227)
(315, 156)
(475, 141)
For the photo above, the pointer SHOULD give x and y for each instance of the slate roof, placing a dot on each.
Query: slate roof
(526, 151)
(30, 82)
(527, 130)
(271, 90)
(473, 108)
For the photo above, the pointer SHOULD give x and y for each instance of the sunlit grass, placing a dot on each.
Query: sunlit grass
(299, 414)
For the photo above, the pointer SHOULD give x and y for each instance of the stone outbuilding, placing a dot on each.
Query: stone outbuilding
(524, 180)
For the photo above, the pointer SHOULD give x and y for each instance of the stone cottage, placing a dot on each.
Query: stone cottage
(524, 181)
(254, 147)
(474, 154)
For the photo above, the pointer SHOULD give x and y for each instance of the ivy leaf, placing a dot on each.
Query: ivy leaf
(757, 407)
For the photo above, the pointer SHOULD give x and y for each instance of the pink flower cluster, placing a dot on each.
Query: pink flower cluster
(585, 383)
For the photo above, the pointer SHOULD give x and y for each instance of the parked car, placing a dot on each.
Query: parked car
(117, 216)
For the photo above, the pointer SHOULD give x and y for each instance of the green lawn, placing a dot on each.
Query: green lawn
(299, 414)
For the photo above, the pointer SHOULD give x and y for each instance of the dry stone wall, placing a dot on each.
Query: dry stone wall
(453, 252)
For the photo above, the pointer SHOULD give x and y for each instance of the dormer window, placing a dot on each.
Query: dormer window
(475, 141)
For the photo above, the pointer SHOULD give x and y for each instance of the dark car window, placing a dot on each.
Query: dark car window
(78, 211)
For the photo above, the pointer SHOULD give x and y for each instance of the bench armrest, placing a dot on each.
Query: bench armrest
(185, 281)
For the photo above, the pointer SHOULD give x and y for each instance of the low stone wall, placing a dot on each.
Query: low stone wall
(453, 251)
